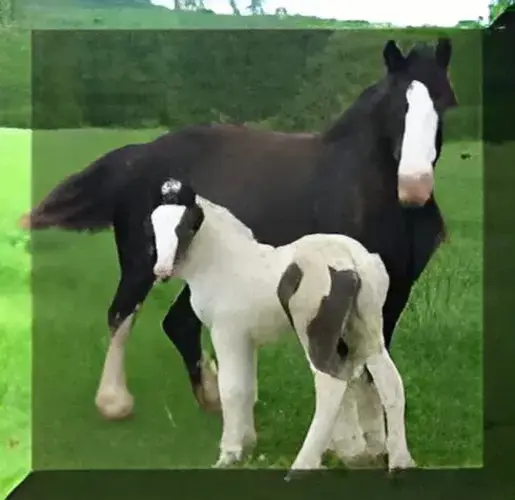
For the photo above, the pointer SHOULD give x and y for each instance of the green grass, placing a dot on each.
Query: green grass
(438, 345)
(15, 310)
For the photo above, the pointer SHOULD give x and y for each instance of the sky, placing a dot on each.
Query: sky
(397, 12)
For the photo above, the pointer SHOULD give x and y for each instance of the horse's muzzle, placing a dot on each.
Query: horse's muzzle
(415, 190)
(163, 272)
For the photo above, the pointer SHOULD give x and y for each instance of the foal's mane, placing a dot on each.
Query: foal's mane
(225, 217)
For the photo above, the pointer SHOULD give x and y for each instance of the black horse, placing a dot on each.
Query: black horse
(362, 177)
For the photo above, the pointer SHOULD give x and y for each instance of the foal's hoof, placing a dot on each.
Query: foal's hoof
(207, 394)
(401, 463)
(228, 458)
(294, 474)
(114, 405)
(366, 461)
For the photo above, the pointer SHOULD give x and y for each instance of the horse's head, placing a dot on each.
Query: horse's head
(175, 222)
(417, 92)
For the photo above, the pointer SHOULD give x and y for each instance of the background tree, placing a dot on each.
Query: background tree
(497, 7)
(234, 8)
(6, 12)
(256, 7)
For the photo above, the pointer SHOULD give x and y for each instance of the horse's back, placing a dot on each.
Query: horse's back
(262, 177)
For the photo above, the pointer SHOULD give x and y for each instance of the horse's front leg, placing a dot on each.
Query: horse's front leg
(113, 399)
(236, 356)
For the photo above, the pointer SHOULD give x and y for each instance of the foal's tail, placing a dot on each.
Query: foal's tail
(320, 300)
(84, 201)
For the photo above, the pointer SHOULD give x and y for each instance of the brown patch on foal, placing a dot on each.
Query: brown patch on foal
(325, 331)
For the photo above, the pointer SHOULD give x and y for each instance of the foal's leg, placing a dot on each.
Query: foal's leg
(347, 439)
(370, 409)
(371, 419)
(113, 399)
(184, 329)
(329, 395)
(391, 391)
(235, 352)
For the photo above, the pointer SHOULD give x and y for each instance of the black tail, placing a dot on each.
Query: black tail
(86, 200)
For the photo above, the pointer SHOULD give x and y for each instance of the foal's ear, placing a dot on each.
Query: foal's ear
(443, 52)
(187, 196)
(393, 58)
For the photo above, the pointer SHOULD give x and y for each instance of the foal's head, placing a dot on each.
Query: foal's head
(175, 222)
(416, 93)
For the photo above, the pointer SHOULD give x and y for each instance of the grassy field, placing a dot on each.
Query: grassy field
(15, 310)
(438, 345)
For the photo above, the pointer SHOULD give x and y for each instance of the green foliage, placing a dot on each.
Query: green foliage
(15, 95)
(293, 79)
(333, 79)
(6, 12)
(497, 7)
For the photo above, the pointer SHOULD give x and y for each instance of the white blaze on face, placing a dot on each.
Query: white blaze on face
(418, 150)
(165, 219)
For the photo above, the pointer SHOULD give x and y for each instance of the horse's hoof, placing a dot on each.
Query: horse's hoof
(205, 403)
(207, 394)
(115, 405)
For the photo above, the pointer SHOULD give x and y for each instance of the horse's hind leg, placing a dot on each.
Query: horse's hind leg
(183, 328)
(391, 391)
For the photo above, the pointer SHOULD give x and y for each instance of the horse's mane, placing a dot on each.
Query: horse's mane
(347, 121)
(225, 218)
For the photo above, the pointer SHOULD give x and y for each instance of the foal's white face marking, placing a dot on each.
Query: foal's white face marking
(418, 150)
(171, 185)
(165, 219)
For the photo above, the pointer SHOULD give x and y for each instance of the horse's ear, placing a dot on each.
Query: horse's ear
(393, 57)
(443, 52)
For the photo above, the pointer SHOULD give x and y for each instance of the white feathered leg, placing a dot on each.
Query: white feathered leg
(113, 399)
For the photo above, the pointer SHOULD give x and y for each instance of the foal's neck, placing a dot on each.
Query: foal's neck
(223, 244)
